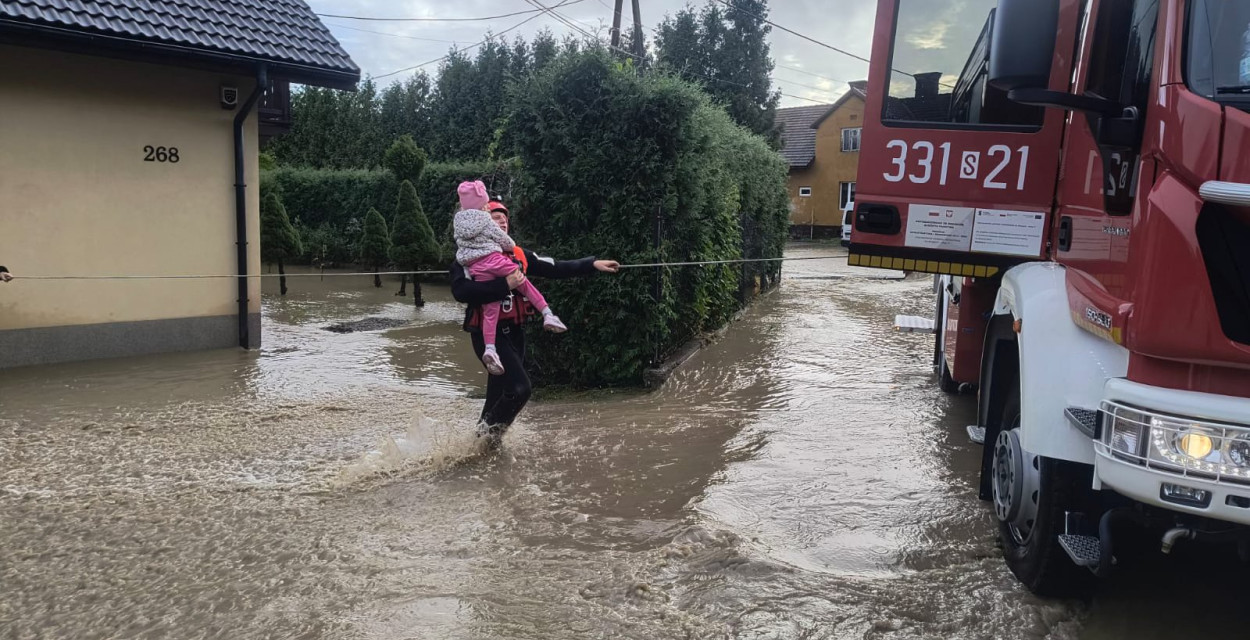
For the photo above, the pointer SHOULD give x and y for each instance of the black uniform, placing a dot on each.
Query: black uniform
(507, 394)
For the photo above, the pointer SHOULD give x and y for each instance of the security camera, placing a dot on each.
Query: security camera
(229, 97)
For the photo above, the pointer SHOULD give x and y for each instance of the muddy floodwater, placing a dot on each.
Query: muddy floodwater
(800, 478)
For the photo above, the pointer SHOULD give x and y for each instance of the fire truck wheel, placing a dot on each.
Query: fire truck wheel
(937, 323)
(1031, 495)
(945, 382)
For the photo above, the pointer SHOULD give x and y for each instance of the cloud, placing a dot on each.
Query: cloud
(938, 35)
(934, 37)
(847, 24)
(933, 33)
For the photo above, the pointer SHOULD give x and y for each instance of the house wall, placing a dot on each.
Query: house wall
(830, 168)
(77, 198)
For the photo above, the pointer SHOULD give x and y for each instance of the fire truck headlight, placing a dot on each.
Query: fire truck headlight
(1185, 444)
(1236, 455)
(1126, 432)
(1176, 443)
(1195, 445)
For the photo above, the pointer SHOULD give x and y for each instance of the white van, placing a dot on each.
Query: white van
(848, 219)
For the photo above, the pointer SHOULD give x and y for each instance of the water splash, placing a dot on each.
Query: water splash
(427, 447)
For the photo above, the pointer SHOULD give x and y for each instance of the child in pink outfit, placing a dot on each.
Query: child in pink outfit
(480, 248)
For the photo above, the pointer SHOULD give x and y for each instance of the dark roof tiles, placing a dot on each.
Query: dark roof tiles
(799, 124)
(797, 134)
(281, 31)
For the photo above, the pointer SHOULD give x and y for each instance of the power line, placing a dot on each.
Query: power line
(476, 45)
(780, 66)
(809, 73)
(565, 20)
(482, 19)
(383, 33)
(568, 22)
(796, 33)
(805, 86)
(815, 41)
(629, 53)
(558, 16)
(739, 84)
(428, 63)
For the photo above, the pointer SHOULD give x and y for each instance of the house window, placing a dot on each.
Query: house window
(805, 192)
(847, 197)
(850, 139)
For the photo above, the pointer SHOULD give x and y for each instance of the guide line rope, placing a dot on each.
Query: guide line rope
(396, 273)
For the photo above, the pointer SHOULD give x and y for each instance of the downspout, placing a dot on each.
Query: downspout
(240, 200)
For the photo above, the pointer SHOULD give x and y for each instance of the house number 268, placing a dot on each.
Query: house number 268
(160, 154)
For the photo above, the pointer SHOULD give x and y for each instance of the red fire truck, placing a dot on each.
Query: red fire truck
(1077, 174)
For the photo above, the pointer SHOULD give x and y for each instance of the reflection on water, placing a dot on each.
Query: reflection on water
(800, 478)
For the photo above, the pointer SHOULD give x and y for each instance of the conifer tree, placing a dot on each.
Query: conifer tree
(413, 246)
(375, 244)
(279, 241)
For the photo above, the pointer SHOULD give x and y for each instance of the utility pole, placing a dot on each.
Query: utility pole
(616, 23)
(639, 47)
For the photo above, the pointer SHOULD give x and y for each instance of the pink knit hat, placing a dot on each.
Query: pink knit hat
(472, 195)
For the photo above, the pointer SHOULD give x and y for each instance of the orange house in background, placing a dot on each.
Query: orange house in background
(821, 144)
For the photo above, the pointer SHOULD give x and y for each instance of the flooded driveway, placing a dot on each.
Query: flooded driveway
(800, 478)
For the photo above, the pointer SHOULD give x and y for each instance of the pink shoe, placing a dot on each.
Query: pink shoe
(493, 365)
(552, 323)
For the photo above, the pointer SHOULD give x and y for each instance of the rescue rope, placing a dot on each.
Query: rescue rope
(709, 262)
(219, 276)
(395, 273)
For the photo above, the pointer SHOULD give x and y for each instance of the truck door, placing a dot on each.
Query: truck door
(954, 178)
(1098, 195)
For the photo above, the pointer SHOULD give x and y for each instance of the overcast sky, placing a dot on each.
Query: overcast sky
(809, 73)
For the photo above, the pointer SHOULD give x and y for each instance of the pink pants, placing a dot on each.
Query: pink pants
(497, 265)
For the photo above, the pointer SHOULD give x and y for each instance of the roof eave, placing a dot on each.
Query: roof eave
(105, 45)
(853, 93)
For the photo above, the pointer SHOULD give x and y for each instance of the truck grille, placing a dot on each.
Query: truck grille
(1224, 237)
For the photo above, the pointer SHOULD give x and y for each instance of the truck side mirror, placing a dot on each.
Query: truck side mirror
(1022, 44)
(1022, 52)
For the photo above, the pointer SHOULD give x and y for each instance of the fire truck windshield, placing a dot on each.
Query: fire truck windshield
(939, 63)
(1219, 51)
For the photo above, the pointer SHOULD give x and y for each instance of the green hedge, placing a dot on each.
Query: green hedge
(608, 162)
(329, 205)
(640, 169)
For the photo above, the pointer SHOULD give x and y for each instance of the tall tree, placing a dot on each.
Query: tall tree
(522, 59)
(726, 50)
(679, 44)
(747, 64)
(456, 108)
(545, 48)
(456, 116)
(494, 73)
(375, 244)
(413, 246)
(332, 129)
(279, 240)
(405, 108)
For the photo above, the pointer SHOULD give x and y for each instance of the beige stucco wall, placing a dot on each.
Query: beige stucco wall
(77, 197)
(831, 167)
